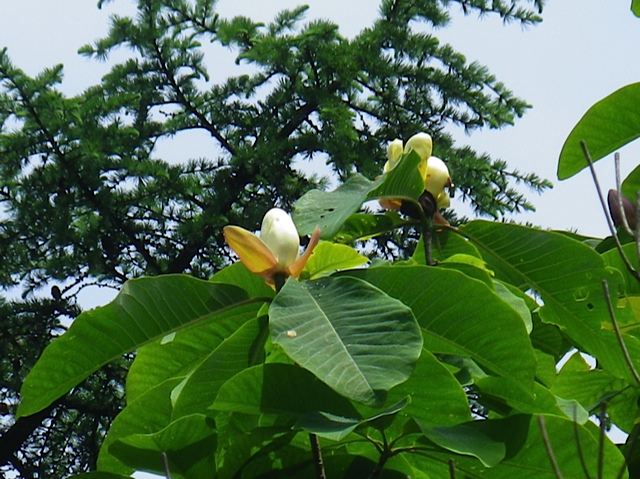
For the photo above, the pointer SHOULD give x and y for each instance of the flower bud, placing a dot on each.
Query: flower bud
(394, 151)
(281, 236)
(436, 177)
(420, 143)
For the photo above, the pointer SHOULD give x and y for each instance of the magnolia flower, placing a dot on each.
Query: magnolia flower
(436, 179)
(276, 250)
(433, 170)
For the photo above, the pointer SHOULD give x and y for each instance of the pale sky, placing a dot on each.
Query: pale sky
(583, 51)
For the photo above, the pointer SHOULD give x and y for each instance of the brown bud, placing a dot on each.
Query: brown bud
(628, 209)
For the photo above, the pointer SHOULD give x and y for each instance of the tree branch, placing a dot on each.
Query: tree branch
(12, 438)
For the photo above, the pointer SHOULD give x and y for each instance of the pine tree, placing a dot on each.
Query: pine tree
(87, 199)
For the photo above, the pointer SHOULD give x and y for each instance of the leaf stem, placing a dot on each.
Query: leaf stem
(612, 228)
(317, 456)
(603, 414)
(576, 435)
(165, 464)
(616, 328)
(452, 469)
(549, 449)
(426, 239)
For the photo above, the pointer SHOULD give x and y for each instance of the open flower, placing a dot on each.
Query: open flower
(276, 250)
(433, 170)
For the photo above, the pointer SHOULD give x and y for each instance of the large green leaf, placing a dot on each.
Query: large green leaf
(330, 210)
(362, 226)
(568, 276)
(467, 440)
(351, 335)
(237, 445)
(277, 388)
(437, 398)
(187, 444)
(329, 257)
(238, 274)
(336, 427)
(461, 316)
(635, 7)
(526, 456)
(144, 310)
(150, 413)
(578, 381)
(613, 259)
(99, 475)
(223, 361)
(178, 353)
(403, 181)
(537, 401)
(608, 125)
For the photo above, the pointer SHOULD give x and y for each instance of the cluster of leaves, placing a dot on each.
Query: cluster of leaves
(86, 196)
(395, 370)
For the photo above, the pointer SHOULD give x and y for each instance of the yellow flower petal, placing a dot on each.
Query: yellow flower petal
(437, 176)
(297, 266)
(394, 151)
(252, 251)
(443, 200)
(420, 143)
(390, 204)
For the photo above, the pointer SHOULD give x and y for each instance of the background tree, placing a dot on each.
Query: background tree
(87, 198)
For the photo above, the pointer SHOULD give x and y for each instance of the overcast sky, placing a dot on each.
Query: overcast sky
(583, 51)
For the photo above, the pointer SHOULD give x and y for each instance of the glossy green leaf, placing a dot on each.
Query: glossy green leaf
(403, 181)
(238, 445)
(461, 316)
(361, 226)
(166, 358)
(187, 444)
(607, 126)
(145, 309)
(336, 428)
(238, 274)
(568, 276)
(471, 266)
(612, 258)
(330, 209)
(467, 440)
(514, 298)
(589, 387)
(437, 398)
(348, 333)
(277, 388)
(150, 413)
(537, 401)
(445, 244)
(329, 257)
(99, 475)
(635, 7)
(526, 456)
(631, 185)
(229, 357)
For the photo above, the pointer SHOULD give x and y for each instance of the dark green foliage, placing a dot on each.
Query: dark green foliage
(87, 197)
